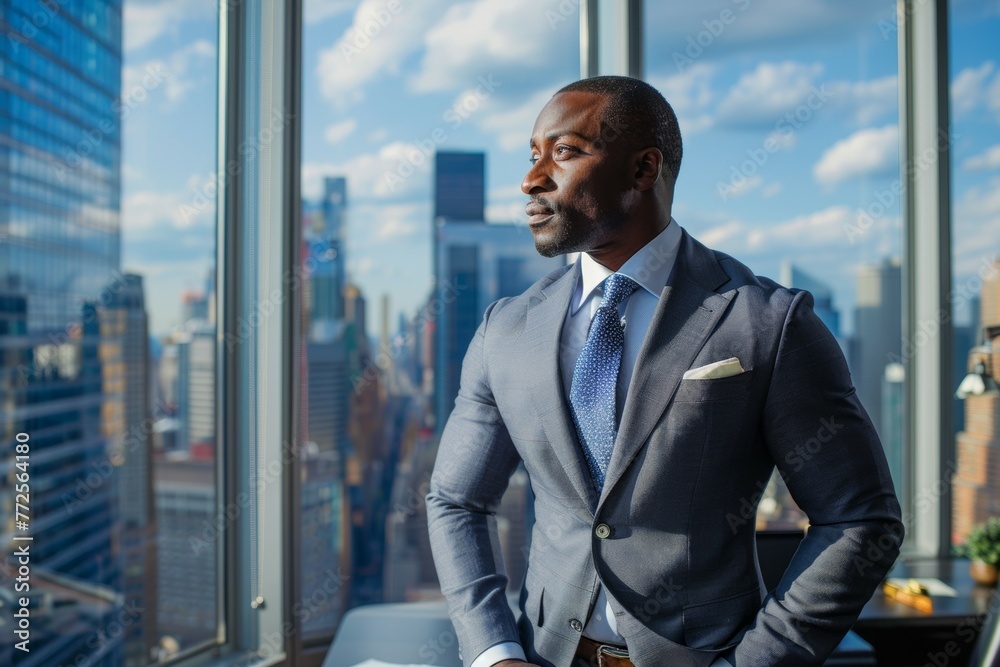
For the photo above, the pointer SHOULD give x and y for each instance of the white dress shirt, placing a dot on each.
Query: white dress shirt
(650, 267)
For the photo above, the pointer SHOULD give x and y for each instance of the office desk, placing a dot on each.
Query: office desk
(903, 635)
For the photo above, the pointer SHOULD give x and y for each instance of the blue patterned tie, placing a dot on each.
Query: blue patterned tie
(595, 379)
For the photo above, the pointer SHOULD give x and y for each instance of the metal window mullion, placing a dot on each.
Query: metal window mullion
(611, 37)
(927, 335)
(255, 342)
(228, 276)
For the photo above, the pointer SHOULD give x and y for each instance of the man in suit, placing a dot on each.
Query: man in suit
(650, 389)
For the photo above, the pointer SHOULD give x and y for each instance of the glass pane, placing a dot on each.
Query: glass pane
(975, 164)
(788, 113)
(415, 130)
(107, 329)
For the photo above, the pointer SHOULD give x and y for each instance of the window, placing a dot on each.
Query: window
(168, 419)
(975, 295)
(411, 224)
(791, 164)
(107, 253)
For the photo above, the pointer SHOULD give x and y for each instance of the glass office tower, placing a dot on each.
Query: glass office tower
(60, 180)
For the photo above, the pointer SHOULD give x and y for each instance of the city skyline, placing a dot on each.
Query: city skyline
(108, 290)
(806, 197)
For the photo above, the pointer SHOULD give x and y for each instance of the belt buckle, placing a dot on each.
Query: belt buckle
(605, 651)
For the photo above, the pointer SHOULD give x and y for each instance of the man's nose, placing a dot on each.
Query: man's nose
(537, 179)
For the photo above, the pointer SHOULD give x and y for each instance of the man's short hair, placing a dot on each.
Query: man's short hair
(639, 112)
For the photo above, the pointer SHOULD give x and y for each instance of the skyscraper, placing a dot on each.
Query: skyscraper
(977, 478)
(476, 265)
(60, 176)
(459, 186)
(878, 332)
(189, 520)
(794, 277)
(128, 425)
(326, 244)
(195, 341)
(989, 300)
(976, 481)
(893, 400)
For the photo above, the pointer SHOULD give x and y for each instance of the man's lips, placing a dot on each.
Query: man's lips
(537, 214)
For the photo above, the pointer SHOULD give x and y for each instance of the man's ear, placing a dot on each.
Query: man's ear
(648, 164)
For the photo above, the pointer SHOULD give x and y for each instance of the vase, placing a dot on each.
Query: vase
(983, 574)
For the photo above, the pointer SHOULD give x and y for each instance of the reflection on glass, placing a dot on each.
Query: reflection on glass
(107, 368)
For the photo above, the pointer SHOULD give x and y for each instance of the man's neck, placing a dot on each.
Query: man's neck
(614, 257)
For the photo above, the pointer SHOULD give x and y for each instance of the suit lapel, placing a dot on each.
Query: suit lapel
(542, 341)
(685, 316)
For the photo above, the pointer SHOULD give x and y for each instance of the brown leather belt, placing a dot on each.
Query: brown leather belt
(596, 654)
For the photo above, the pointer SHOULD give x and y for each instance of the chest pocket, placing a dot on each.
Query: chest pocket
(731, 388)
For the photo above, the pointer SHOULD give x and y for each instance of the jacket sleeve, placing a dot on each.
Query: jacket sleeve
(475, 460)
(828, 453)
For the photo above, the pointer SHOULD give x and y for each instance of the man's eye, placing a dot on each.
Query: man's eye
(562, 150)
(533, 159)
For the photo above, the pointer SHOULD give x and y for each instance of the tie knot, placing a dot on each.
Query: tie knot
(617, 288)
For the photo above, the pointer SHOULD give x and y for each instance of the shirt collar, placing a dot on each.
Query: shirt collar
(650, 266)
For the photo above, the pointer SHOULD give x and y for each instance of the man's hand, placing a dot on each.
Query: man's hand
(514, 663)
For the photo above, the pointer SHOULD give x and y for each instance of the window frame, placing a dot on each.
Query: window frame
(260, 67)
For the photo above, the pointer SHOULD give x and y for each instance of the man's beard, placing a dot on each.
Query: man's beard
(567, 237)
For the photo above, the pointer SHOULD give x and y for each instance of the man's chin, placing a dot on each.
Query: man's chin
(548, 249)
(552, 245)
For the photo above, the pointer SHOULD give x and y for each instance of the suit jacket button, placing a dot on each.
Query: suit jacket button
(603, 530)
(576, 625)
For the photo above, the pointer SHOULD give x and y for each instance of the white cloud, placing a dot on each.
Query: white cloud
(745, 186)
(722, 235)
(768, 93)
(183, 61)
(339, 131)
(977, 226)
(813, 229)
(177, 74)
(988, 160)
(395, 223)
(379, 135)
(816, 231)
(869, 100)
(982, 202)
(511, 212)
(368, 49)
(866, 152)
(194, 206)
(993, 95)
(690, 94)
(781, 140)
(512, 126)
(510, 40)
(396, 170)
(754, 26)
(316, 11)
(972, 88)
(770, 190)
(145, 22)
(506, 203)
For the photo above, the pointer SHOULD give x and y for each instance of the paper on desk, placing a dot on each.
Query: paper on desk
(381, 663)
(933, 586)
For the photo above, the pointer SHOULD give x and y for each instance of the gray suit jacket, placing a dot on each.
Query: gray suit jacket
(690, 463)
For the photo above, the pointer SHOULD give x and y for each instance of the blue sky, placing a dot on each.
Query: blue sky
(472, 75)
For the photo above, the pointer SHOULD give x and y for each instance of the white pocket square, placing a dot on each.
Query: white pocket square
(719, 369)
